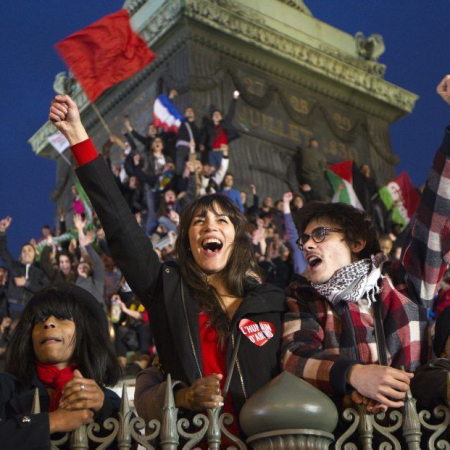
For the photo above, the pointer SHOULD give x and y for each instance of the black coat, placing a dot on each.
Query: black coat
(229, 129)
(175, 325)
(183, 133)
(16, 399)
(36, 277)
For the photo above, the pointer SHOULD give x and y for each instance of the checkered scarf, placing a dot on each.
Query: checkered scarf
(352, 282)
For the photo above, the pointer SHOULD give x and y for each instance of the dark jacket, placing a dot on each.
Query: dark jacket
(148, 176)
(146, 141)
(230, 130)
(183, 132)
(95, 282)
(36, 277)
(16, 399)
(429, 385)
(52, 272)
(174, 323)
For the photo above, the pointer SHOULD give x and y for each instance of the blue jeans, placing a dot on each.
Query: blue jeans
(215, 158)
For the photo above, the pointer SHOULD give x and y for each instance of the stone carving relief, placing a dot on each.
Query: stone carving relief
(315, 59)
(262, 96)
(133, 5)
(233, 7)
(162, 21)
(370, 48)
(371, 67)
(64, 84)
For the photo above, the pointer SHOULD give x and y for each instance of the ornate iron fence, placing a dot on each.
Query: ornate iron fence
(405, 428)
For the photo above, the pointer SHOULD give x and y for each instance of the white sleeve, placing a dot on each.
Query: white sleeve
(220, 173)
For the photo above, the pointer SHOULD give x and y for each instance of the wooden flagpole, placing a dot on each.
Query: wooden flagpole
(97, 113)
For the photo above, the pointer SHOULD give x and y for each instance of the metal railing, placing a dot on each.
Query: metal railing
(405, 428)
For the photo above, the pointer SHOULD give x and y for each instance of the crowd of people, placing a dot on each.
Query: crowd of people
(174, 260)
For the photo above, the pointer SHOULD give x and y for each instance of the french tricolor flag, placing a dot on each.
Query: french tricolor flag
(165, 115)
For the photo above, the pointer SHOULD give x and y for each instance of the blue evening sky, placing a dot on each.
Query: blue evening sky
(416, 35)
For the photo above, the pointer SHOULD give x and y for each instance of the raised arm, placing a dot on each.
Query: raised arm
(98, 274)
(222, 170)
(232, 108)
(5, 254)
(426, 251)
(300, 264)
(131, 249)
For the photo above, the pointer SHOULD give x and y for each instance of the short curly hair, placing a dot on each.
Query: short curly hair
(356, 223)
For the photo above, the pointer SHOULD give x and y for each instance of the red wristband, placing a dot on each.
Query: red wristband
(84, 152)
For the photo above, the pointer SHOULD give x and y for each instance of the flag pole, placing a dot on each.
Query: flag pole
(64, 157)
(97, 113)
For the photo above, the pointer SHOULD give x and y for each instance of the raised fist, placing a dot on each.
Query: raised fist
(5, 223)
(287, 197)
(65, 117)
(443, 89)
(128, 124)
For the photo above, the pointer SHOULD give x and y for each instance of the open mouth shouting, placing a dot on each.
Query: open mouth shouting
(211, 246)
(313, 261)
(211, 238)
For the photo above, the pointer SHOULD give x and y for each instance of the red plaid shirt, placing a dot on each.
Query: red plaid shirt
(321, 342)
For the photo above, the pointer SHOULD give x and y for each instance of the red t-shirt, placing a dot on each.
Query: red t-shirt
(220, 137)
(214, 361)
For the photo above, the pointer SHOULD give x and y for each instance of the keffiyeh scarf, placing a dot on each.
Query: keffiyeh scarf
(353, 282)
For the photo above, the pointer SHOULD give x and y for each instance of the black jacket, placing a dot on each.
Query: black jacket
(16, 399)
(36, 277)
(183, 132)
(175, 325)
(230, 130)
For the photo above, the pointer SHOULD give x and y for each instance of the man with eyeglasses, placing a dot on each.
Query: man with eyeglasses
(360, 319)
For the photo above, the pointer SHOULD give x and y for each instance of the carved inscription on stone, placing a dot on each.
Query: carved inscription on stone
(290, 119)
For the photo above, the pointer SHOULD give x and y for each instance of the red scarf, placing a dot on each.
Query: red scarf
(56, 379)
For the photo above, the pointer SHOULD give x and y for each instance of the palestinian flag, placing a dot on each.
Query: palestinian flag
(341, 179)
(401, 196)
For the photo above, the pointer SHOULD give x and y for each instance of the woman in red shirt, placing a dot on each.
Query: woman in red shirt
(197, 303)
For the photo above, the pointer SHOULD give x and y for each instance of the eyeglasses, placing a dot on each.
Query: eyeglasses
(318, 235)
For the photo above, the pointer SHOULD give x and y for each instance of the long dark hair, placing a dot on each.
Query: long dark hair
(93, 352)
(240, 266)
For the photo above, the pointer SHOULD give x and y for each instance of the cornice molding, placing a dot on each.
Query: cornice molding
(161, 22)
(352, 72)
(297, 4)
(133, 5)
(369, 107)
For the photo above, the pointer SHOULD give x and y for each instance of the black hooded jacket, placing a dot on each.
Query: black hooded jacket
(174, 321)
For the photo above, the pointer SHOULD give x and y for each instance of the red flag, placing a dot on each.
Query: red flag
(408, 193)
(105, 53)
(401, 196)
